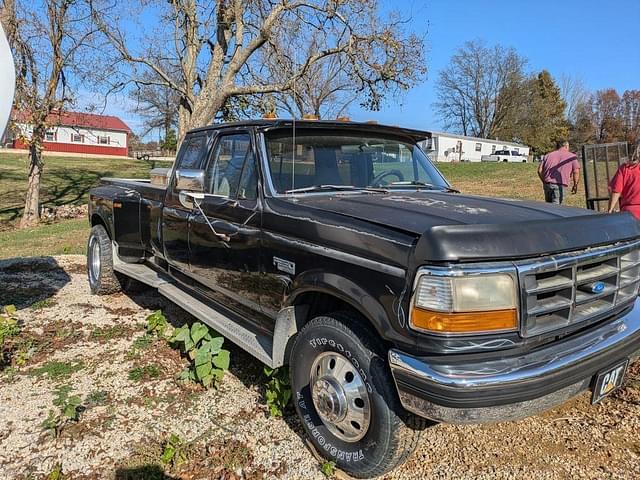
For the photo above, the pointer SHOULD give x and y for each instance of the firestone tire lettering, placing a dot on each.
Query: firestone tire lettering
(388, 440)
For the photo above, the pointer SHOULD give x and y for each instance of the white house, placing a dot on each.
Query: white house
(76, 132)
(449, 147)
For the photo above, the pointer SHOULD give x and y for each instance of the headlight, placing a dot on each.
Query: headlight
(466, 304)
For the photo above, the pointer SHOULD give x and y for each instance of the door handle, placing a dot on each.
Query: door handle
(224, 230)
(221, 229)
(225, 227)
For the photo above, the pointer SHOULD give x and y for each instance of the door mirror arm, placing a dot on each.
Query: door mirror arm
(197, 198)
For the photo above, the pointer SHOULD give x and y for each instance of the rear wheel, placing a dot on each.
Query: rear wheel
(102, 277)
(345, 395)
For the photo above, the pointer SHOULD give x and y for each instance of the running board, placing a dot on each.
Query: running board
(142, 273)
(258, 345)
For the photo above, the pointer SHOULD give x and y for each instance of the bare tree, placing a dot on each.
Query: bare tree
(480, 88)
(325, 90)
(49, 40)
(156, 103)
(215, 44)
(575, 94)
(631, 115)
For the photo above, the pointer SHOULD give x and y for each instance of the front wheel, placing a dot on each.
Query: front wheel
(345, 395)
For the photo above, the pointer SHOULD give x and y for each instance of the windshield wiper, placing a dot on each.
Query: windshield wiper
(413, 183)
(326, 188)
(419, 184)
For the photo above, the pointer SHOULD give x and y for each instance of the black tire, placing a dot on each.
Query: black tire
(392, 433)
(102, 277)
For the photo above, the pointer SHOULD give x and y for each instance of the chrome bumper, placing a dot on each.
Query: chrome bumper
(507, 388)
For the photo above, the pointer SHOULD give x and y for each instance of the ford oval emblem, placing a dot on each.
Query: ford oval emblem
(597, 287)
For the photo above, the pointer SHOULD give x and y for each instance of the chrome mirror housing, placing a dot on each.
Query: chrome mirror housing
(191, 180)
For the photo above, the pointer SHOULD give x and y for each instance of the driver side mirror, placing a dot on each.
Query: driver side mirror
(189, 179)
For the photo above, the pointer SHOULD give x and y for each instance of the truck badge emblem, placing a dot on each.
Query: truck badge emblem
(597, 287)
(284, 265)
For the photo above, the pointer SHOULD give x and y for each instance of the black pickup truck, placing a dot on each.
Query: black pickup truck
(338, 249)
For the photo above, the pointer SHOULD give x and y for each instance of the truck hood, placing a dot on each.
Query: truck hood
(455, 227)
(415, 212)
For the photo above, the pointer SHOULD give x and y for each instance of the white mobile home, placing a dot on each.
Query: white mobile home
(449, 147)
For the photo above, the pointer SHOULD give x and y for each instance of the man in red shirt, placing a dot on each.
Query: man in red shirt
(625, 186)
(555, 171)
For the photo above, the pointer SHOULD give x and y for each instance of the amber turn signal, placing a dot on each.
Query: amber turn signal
(468, 322)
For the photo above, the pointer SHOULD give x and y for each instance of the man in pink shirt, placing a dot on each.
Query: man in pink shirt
(555, 171)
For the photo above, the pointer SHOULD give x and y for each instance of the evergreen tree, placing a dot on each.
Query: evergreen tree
(543, 121)
(170, 141)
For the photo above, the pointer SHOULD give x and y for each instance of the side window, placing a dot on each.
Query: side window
(193, 151)
(248, 189)
(225, 175)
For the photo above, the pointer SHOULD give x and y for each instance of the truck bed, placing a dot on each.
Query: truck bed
(141, 185)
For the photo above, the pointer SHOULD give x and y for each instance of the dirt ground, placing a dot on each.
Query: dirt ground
(132, 404)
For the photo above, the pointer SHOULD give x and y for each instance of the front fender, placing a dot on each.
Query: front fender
(345, 289)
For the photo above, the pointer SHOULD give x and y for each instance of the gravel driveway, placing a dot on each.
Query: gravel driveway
(132, 403)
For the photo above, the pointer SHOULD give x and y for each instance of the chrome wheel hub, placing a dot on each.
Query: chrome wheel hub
(94, 260)
(340, 396)
(329, 399)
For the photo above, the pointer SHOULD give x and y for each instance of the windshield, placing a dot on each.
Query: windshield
(326, 160)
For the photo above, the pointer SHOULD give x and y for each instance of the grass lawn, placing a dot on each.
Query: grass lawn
(69, 179)
(65, 180)
(507, 180)
(69, 236)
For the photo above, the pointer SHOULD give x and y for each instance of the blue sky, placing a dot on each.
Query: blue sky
(596, 41)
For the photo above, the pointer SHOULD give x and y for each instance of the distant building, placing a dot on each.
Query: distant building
(75, 132)
(449, 147)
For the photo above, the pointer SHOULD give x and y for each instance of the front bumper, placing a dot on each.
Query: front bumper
(478, 389)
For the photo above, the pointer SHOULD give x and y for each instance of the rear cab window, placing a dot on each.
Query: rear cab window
(193, 151)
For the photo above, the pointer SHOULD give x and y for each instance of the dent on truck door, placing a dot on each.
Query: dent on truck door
(175, 214)
(225, 246)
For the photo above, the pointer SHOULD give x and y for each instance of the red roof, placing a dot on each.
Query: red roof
(80, 120)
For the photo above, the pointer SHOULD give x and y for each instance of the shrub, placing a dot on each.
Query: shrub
(157, 323)
(208, 360)
(328, 469)
(69, 409)
(8, 328)
(174, 451)
(8, 323)
(278, 391)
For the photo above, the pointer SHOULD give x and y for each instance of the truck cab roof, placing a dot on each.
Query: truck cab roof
(270, 124)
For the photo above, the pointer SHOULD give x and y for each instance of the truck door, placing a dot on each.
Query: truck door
(225, 246)
(175, 214)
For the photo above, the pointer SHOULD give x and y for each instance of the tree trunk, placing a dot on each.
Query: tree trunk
(31, 215)
(184, 117)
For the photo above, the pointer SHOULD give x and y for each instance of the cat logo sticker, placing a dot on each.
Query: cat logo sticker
(608, 381)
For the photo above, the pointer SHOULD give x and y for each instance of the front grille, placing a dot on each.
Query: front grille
(573, 288)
